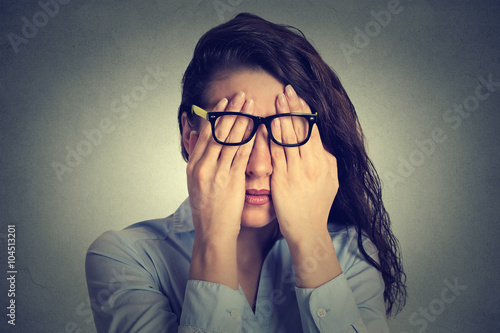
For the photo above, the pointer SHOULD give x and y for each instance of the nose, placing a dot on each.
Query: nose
(259, 163)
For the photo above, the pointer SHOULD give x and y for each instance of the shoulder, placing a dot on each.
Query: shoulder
(137, 236)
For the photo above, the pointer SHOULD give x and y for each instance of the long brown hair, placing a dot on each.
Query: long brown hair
(250, 42)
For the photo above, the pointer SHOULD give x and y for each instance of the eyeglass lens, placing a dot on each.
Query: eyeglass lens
(289, 130)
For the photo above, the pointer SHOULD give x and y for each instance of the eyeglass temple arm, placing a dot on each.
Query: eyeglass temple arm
(199, 111)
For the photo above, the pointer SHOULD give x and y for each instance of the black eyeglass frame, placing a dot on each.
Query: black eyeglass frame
(257, 121)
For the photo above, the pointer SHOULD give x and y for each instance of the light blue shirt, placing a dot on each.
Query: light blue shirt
(138, 282)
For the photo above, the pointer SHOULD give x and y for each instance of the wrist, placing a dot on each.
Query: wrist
(314, 259)
(308, 243)
(308, 237)
(214, 260)
(208, 231)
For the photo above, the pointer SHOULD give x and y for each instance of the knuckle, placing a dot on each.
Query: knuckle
(243, 151)
(220, 180)
(205, 135)
(200, 174)
(220, 133)
(301, 132)
(290, 138)
(278, 153)
(230, 150)
(189, 168)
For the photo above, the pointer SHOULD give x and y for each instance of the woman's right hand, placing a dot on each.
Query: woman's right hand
(216, 185)
(216, 173)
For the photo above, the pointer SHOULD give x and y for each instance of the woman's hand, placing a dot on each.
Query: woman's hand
(303, 186)
(216, 173)
(216, 185)
(304, 180)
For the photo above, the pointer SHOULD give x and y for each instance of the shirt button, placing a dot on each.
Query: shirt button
(234, 314)
(321, 313)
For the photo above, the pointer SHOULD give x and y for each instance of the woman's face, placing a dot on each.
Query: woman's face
(263, 88)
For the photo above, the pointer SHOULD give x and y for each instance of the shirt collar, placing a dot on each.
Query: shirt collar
(182, 218)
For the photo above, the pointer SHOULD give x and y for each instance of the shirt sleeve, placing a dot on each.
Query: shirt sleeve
(211, 307)
(125, 295)
(351, 302)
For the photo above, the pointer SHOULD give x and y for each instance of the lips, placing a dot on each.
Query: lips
(257, 197)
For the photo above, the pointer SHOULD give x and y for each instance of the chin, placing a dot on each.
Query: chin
(257, 216)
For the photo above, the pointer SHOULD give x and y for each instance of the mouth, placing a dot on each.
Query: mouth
(257, 197)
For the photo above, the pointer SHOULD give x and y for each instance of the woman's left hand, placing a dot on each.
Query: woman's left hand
(304, 184)
(304, 180)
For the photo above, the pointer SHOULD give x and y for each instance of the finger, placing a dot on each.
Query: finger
(293, 100)
(241, 129)
(314, 145)
(313, 149)
(201, 141)
(193, 138)
(301, 124)
(205, 144)
(306, 109)
(287, 130)
(288, 135)
(241, 158)
(332, 170)
(278, 157)
(296, 105)
(304, 106)
(224, 124)
(243, 125)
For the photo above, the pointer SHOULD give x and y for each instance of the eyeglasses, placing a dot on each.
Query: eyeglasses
(302, 124)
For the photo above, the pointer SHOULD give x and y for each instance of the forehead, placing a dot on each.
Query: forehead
(260, 86)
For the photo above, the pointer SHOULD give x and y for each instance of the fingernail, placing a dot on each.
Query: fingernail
(193, 132)
(250, 105)
(238, 99)
(282, 100)
(276, 125)
(223, 102)
(289, 91)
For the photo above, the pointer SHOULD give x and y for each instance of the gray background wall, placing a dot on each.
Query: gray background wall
(73, 71)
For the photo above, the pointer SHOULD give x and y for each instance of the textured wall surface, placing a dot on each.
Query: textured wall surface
(88, 99)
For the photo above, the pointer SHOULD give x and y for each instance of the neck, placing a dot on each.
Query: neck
(255, 243)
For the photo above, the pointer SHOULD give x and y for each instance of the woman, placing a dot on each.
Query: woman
(284, 229)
